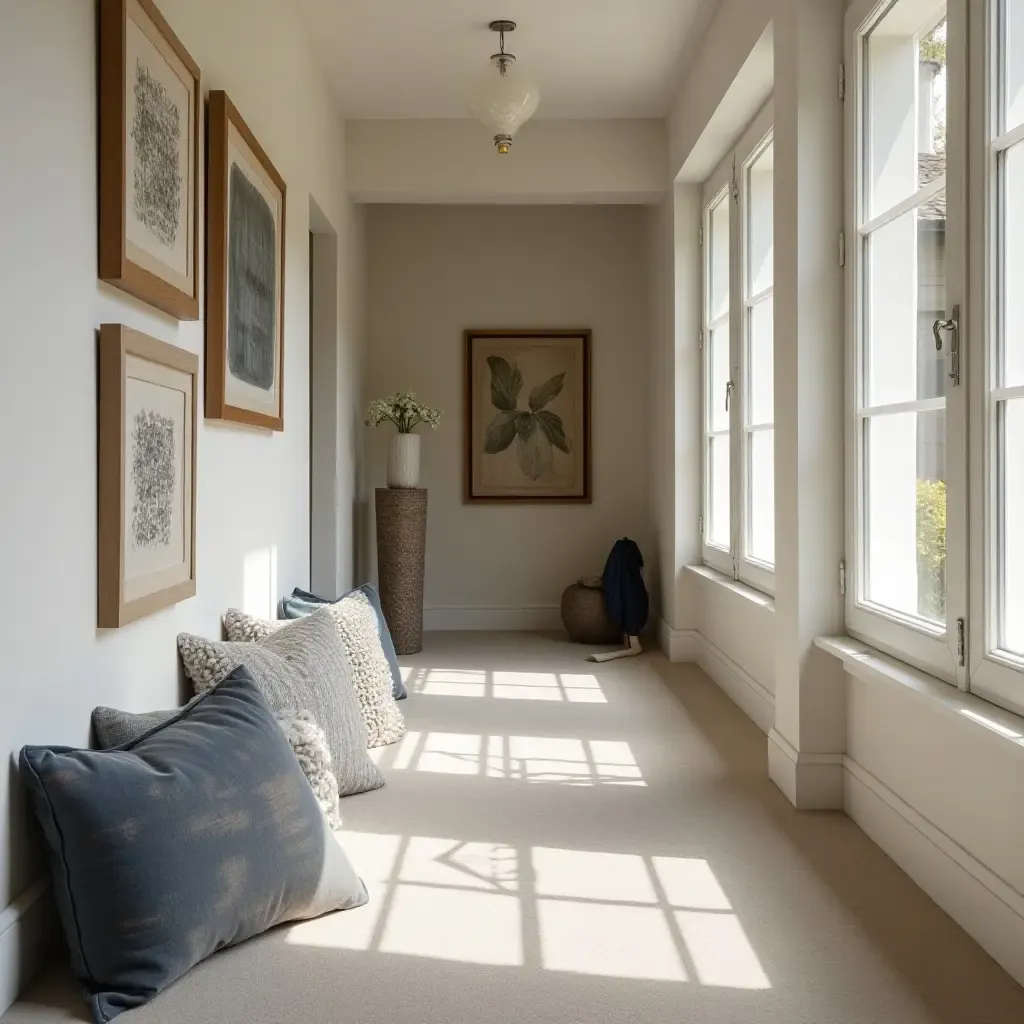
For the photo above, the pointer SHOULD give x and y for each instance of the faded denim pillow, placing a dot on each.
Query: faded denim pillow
(199, 835)
(303, 603)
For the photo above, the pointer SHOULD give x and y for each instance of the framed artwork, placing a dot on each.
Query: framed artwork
(147, 475)
(149, 115)
(245, 207)
(527, 415)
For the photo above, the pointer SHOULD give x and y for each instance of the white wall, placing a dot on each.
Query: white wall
(552, 161)
(435, 271)
(253, 486)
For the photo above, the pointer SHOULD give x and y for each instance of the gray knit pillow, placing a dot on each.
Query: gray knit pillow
(302, 666)
(356, 622)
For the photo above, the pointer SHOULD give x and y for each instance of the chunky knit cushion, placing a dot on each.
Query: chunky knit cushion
(356, 625)
(302, 666)
(309, 745)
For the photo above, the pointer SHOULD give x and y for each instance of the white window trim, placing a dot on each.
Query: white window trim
(972, 243)
(717, 189)
(927, 646)
(729, 181)
(758, 137)
(995, 674)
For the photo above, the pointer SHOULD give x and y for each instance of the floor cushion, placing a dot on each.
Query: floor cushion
(302, 603)
(197, 836)
(302, 666)
(355, 622)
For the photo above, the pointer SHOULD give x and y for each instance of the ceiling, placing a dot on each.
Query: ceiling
(420, 58)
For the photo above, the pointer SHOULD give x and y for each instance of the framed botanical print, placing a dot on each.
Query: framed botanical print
(527, 411)
(149, 115)
(147, 475)
(245, 208)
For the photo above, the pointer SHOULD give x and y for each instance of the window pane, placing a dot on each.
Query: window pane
(761, 267)
(1011, 556)
(1014, 70)
(719, 512)
(906, 513)
(761, 369)
(718, 290)
(1010, 286)
(762, 495)
(906, 294)
(905, 115)
(718, 417)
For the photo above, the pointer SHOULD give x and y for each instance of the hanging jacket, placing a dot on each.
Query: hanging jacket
(624, 590)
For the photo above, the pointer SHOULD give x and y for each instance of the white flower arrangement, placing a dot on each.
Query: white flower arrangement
(404, 411)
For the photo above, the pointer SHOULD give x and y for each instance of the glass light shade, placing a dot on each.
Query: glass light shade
(504, 102)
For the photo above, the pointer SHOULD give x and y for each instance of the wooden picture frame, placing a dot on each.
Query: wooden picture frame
(150, 109)
(148, 395)
(527, 416)
(245, 213)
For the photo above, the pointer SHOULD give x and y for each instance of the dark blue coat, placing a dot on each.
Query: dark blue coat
(624, 590)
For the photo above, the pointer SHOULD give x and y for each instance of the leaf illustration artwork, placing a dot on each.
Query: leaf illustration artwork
(537, 433)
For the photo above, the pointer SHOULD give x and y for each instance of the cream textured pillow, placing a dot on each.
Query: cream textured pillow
(309, 745)
(356, 623)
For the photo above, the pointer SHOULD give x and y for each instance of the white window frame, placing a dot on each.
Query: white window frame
(995, 674)
(728, 184)
(973, 258)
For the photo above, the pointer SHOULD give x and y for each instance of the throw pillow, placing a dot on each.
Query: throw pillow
(355, 621)
(201, 834)
(302, 665)
(309, 745)
(113, 728)
(302, 603)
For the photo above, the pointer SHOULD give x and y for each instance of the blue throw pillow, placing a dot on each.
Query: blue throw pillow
(200, 834)
(303, 603)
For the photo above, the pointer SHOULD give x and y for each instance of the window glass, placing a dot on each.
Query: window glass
(761, 261)
(719, 254)
(906, 512)
(1013, 70)
(761, 543)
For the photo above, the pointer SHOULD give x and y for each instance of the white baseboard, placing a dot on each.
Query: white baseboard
(501, 618)
(27, 929)
(983, 904)
(677, 644)
(811, 782)
(755, 700)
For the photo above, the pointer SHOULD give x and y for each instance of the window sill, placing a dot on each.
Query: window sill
(865, 662)
(743, 590)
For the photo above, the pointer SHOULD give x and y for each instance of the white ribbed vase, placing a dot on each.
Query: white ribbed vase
(404, 461)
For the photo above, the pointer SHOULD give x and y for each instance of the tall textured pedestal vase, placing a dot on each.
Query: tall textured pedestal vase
(401, 551)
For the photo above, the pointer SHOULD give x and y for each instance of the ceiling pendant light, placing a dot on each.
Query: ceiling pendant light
(507, 100)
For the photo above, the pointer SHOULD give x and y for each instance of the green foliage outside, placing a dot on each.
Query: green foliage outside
(931, 548)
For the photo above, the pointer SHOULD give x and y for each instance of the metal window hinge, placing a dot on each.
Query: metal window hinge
(700, 339)
(735, 187)
(842, 81)
(700, 235)
(842, 578)
(961, 642)
(701, 526)
(842, 248)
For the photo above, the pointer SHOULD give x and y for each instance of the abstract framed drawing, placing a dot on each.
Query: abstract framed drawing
(148, 392)
(245, 200)
(149, 115)
(527, 406)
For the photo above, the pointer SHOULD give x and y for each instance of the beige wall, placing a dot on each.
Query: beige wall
(435, 271)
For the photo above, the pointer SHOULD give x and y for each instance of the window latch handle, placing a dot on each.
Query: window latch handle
(728, 393)
(942, 325)
(952, 325)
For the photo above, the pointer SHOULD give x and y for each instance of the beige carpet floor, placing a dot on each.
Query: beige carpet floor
(565, 842)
